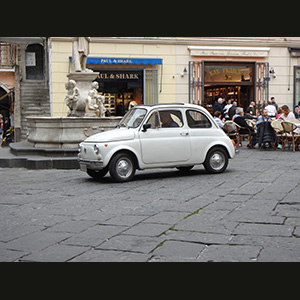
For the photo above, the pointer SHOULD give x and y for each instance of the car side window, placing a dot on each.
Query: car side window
(197, 119)
(154, 121)
(171, 119)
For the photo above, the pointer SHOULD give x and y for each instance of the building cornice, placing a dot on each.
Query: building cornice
(197, 41)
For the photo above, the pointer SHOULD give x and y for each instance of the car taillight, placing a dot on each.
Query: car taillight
(234, 144)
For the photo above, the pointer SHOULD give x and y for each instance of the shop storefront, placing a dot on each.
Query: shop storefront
(242, 82)
(239, 74)
(233, 82)
(126, 81)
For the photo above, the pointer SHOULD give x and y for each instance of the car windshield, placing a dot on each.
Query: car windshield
(133, 118)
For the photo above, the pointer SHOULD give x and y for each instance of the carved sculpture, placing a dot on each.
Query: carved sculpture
(91, 108)
(99, 99)
(73, 101)
(81, 50)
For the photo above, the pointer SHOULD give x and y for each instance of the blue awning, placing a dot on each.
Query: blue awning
(122, 61)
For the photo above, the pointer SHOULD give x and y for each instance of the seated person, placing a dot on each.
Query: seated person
(167, 121)
(217, 118)
(264, 117)
(265, 133)
(239, 119)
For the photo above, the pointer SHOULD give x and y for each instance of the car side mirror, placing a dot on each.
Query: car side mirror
(146, 127)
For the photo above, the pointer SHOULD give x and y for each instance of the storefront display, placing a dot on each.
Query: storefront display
(121, 89)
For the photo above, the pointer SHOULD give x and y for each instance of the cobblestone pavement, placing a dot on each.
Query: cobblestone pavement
(251, 213)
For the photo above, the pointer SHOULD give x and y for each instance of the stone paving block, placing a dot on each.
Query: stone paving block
(178, 250)
(125, 220)
(264, 229)
(279, 254)
(111, 256)
(130, 243)
(147, 229)
(254, 216)
(166, 217)
(197, 237)
(94, 236)
(55, 253)
(227, 253)
(36, 241)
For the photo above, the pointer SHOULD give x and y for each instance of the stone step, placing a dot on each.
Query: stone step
(33, 161)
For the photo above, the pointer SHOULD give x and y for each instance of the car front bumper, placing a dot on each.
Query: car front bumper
(90, 164)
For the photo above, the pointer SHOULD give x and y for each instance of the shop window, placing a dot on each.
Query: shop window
(228, 73)
(35, 56)
(297, 85)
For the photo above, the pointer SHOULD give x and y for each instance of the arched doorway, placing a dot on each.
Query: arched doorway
(35, 57)
(5, 102)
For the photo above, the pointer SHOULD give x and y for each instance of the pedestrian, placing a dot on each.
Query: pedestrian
(273, 102)
(232, 110)
(251, 110)
(226, 109)
(1, 129)
(218, 106)
(297, 112)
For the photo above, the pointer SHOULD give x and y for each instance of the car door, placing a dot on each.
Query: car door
(202, 134)
(168, 140)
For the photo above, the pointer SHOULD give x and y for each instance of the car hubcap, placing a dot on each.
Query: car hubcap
(124, 168)
(217, 161)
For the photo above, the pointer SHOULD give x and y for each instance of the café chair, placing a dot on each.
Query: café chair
(232, 131)
(290, 137)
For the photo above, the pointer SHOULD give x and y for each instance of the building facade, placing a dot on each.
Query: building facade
(180, 69)
(153, 70)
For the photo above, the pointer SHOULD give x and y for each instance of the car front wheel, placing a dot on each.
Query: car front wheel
(97, 174)
(216, 161)
(122, 167)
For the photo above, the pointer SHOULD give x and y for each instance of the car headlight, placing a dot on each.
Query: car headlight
(97, 150)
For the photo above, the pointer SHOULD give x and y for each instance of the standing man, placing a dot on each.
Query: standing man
(81, 51)
(274, 103)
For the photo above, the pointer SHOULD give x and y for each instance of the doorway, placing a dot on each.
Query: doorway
(242, 94)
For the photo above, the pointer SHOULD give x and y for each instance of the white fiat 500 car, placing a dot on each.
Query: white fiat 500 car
(157, 136)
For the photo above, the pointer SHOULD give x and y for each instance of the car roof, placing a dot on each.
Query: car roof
(169, 105)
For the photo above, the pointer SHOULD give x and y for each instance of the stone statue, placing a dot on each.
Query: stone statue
(81, 51)
(91, 108)
(73, 100)
(99, 99)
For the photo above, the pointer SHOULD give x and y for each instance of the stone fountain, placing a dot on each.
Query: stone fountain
(86, 115)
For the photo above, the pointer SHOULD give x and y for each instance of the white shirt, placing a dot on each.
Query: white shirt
(271, 109)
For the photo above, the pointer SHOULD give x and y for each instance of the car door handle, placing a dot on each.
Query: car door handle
(184, 133)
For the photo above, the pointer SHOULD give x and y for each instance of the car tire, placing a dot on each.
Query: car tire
(122, 167)
(216, 161)
(97, 174)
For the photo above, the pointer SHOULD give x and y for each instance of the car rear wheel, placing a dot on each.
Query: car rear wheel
(122, 167)
(216, 161)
